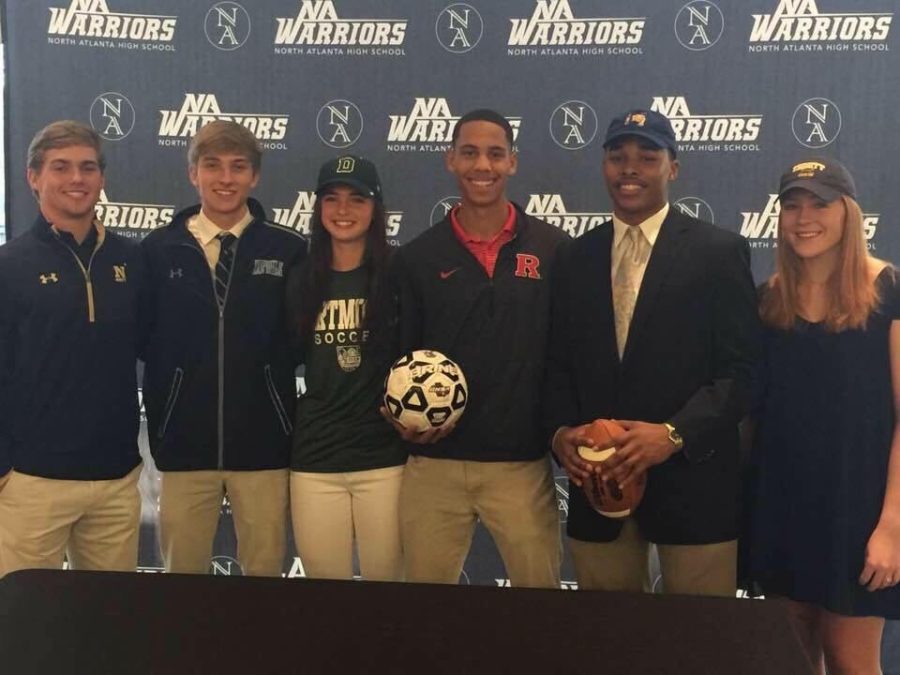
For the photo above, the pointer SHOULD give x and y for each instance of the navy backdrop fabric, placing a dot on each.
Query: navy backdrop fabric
(751, 85)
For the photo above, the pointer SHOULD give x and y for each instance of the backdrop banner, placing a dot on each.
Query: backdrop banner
(750, 86)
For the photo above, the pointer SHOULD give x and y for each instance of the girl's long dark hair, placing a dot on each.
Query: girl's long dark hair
(314, 284)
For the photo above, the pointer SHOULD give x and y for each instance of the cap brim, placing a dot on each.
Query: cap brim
(823, 192)
(352, 182)
(656, 139)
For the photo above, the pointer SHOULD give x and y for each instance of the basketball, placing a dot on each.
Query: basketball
(425, 390)
(604, 494)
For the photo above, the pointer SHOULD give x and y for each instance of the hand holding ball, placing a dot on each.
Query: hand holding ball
(604, 494)
(425, 390)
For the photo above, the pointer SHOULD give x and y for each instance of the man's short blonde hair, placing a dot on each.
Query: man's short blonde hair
(225, 136)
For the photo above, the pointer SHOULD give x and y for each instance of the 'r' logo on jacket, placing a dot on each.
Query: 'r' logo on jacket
(527, 266)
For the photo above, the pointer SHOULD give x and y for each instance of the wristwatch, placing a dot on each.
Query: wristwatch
(674, 436)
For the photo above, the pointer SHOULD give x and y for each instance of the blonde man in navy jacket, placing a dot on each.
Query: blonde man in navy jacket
(219, 383)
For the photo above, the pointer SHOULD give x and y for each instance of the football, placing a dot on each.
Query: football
(425, 390)
(604, 494)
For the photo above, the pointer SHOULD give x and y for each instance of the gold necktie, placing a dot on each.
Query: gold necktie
(626, 282)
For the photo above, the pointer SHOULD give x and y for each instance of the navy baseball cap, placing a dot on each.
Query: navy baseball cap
(647, 124)
(357, 172)
(826, 178)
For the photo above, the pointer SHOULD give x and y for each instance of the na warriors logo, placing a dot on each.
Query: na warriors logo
(799, 26)
(429, 127)
(550, 208)
(298, 216)
(132, 220)
(761, 227)
(718, 132)
(197, 110)
(90, 23)
(554, 30)
(317, 30)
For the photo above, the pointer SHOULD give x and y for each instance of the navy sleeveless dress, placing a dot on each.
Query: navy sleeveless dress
(825, 419)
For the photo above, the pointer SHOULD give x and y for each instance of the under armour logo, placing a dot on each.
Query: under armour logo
(49, 278)
(176, 272)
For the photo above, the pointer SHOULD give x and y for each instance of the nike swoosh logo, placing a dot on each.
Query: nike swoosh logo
(449, 273)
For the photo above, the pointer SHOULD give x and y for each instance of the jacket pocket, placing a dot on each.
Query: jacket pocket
(283, 417)
(171, 401)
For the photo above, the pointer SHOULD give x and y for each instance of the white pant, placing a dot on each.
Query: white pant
(329, 509)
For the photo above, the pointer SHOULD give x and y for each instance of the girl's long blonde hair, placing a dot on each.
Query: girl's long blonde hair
(852, 295)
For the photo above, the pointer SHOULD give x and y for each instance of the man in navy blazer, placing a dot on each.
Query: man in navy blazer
(654, 324)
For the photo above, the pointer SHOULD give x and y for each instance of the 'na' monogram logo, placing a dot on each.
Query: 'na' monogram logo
(50, 278)
(119, 274)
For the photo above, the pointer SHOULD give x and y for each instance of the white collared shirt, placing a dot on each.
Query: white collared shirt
(650, 229)
(205, 232)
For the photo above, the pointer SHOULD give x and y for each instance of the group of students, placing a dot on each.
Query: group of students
(651, 319)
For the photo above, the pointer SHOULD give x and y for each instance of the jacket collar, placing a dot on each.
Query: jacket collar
(522, 224)
(178, 226)
(44, 231)
(181, 218)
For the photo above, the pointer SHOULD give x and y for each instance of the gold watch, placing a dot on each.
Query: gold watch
(674, 436)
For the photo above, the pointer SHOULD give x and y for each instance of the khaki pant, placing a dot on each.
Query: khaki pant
(622, 565)
(189, 507)
(329, 509)
(95, 523)
(442, 499)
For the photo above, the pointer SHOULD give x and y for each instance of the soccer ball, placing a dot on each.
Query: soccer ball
(425, 390)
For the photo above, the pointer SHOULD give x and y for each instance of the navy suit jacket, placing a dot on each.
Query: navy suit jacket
(691, 348)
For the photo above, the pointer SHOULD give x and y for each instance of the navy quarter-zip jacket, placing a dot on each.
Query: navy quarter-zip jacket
(68, 356)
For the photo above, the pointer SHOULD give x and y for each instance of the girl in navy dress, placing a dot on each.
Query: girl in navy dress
(825, 496)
